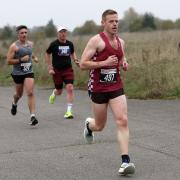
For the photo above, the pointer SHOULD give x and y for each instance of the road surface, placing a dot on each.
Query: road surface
(56, 150)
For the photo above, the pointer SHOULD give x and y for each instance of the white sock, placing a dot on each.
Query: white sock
(69, 107)
(14, 102)
(32, 115)
(53, 93)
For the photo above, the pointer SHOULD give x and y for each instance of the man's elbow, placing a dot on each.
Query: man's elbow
(9, 61)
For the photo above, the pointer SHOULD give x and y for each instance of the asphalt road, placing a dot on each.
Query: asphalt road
(56, 150)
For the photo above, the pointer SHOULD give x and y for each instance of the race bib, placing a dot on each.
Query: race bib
(108, 75)
(26, 66)
(63, 50)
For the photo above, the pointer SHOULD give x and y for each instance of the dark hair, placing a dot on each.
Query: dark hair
(108, 12)
(21, 27)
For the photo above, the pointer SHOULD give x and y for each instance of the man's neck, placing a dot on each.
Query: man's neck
(62, 40)
(110, 36)
(22, 42)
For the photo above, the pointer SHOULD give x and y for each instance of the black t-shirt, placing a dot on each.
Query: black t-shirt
(61, 54)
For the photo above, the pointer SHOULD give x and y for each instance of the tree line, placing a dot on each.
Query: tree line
(131, 22)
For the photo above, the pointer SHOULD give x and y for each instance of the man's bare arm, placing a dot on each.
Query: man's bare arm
(49, 63)
(10, 56)
(75, 59)
(91, 48)
(124, 60)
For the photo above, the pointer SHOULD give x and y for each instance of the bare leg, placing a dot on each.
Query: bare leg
(119, 109)
(70, 97)
(97, 123)
(100, 117)
(29, 88)
(19, 92)
(70, 93)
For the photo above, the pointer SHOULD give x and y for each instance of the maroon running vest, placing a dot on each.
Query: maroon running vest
(106, 79)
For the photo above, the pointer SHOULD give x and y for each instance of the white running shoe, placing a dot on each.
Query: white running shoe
(88, 134)
(126, 169)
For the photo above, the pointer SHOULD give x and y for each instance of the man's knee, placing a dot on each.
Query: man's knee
(69, 88)
(30, 93)
(122, 122)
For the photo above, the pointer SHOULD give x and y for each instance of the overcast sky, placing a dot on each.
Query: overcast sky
(73, 13)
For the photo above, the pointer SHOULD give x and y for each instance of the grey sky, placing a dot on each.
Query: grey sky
(74, 13)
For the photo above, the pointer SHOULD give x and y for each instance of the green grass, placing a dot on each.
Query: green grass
(154, 60)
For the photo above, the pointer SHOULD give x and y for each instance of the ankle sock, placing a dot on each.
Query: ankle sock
(125, 158)
(53, 93)
(32, 115)
(69, 107)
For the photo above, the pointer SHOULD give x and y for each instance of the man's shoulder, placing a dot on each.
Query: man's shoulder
(121, 40)
(69, 42)
(95, 38)
(54, 42)
(119, 37)
(13, 45)
(29, 43)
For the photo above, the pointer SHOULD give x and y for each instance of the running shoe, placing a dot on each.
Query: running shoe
(127, 169)
(68, 115)
(14, 109)
(33, 121)
(52, 98)
(88, 134)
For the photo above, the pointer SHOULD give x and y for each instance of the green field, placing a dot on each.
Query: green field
(154, 59)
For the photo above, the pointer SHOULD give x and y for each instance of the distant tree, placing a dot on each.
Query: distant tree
(130, 16)
(148, 21)
(122, 26)
(167, 24)
(89, 27)
(136, 25)
(6, 32)
(177, 23)
(38, 33)
(50, 29)
(158, 23)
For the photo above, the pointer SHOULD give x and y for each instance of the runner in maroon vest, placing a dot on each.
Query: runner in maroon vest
(107, 78)
(103, 56)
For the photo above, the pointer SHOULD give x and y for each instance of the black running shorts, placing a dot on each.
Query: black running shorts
(19, 79)
(104, 97)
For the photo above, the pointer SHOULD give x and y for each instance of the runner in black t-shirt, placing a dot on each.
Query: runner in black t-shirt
(60, 67)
